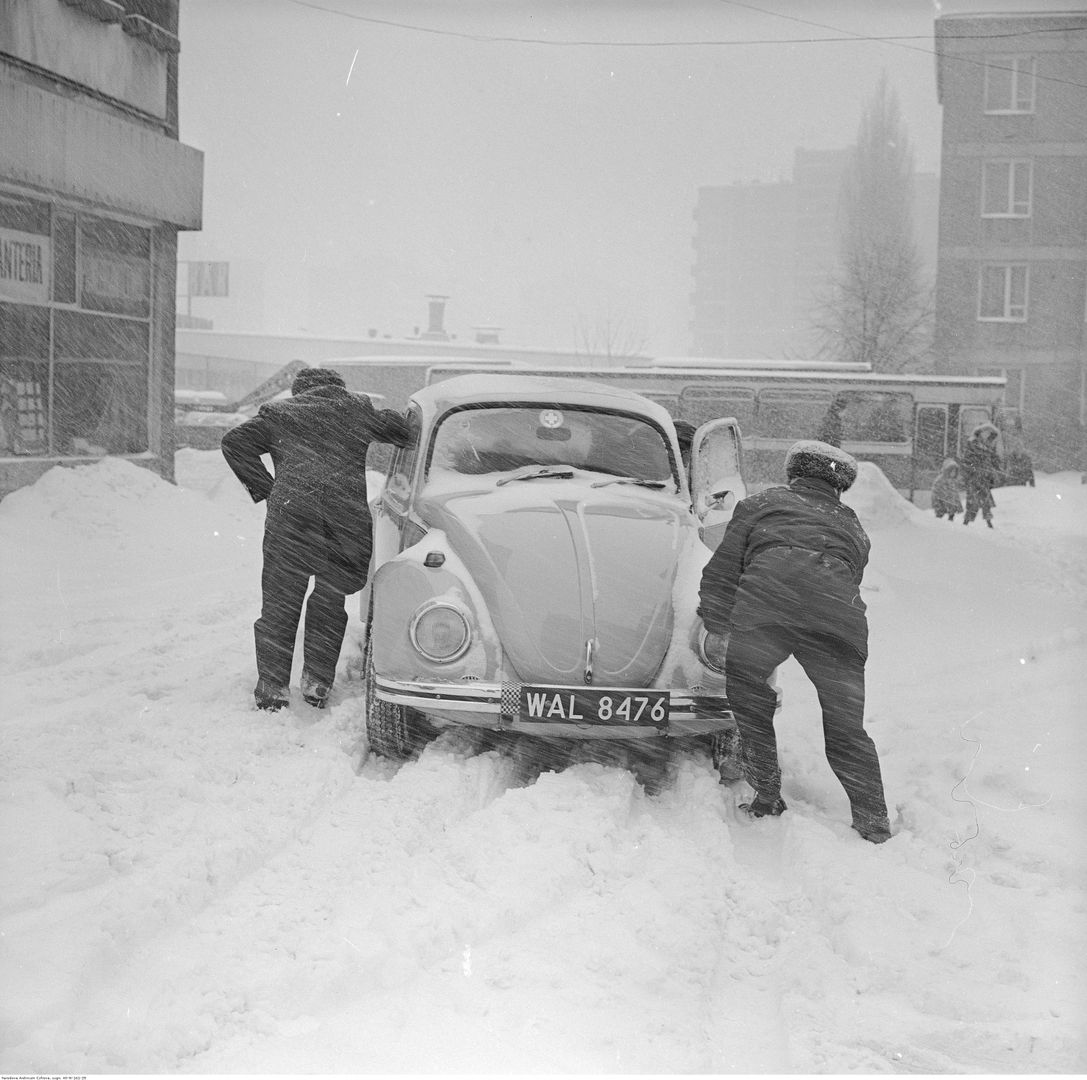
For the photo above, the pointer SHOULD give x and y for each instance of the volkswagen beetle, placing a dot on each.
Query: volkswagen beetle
(537, 553)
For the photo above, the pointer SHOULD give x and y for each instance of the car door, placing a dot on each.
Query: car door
(716, 474)
(391, 506)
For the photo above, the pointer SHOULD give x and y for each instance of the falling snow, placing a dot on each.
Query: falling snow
(192, 886)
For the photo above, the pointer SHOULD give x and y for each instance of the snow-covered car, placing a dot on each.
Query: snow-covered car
(537, 553)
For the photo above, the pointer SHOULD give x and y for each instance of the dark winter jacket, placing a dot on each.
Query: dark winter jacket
(980, 469)
(791, 556)
(317, 441)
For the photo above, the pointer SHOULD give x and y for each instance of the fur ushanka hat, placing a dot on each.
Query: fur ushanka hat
(821, 461)
(311, 378)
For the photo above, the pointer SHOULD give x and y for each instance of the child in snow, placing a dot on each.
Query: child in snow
(945, 491)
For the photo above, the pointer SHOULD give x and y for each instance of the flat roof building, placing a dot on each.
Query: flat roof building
(94, 186)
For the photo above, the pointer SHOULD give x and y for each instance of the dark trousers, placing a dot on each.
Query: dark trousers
(837, 670)
(289, 563)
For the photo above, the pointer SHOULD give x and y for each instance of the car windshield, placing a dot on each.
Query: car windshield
(506, 438)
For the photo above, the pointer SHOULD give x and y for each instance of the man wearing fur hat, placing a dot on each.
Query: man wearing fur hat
(785, 581)
(317, 525)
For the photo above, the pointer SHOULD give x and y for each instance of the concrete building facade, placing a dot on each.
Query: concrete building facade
(1011, 294)
(94, 186)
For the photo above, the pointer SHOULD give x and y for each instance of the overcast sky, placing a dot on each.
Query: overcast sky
(537, 161)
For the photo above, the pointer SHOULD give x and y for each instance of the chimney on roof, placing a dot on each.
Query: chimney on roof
(436, 314)
(487, 335)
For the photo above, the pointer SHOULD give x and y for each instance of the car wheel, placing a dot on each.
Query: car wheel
(393, 731)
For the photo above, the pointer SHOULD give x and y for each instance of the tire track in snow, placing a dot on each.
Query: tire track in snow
(573, 900)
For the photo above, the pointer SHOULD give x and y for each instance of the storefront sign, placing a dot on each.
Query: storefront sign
(25, 265)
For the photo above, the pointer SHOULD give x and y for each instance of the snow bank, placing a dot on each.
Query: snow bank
(191, 886)
(877, 503)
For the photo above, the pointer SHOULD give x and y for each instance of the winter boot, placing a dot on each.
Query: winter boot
(874, 830)
(270, 697)
(314, 691)
(757, 808)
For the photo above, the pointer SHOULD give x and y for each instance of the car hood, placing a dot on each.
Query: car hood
(578, 582)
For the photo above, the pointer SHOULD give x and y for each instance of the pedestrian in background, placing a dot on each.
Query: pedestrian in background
(318, 522)
(785, 581)
(945, 490)
(981, 472)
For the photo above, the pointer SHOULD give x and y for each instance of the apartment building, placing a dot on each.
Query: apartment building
(1011, 292)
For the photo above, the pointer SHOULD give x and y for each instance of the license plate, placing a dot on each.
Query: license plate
(574, 705)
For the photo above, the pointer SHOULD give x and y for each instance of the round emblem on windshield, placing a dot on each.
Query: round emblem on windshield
(551, 418)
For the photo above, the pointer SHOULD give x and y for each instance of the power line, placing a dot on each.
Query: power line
(899, 41)
(609, 43)
(893, 39)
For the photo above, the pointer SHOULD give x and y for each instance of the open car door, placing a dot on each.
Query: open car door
(716, 476)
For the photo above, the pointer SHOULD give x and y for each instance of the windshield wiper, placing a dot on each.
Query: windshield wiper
(656, 484)
(547, 472)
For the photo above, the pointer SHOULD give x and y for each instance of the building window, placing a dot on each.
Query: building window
(1006, 188)
(1009, 84)
(1002, 292)
(75, 323)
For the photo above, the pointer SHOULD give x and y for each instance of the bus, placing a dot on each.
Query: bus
(905, 424)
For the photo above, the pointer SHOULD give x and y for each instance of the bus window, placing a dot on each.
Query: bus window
(930, 438)
(875, 417)
(700, 404)
(791, 414)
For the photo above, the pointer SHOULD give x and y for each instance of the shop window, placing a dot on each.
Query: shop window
(115, 265)
(24, 215)
(64, 273)
(24, 380)
(100, 391)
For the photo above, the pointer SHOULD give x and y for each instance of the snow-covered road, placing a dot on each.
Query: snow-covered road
(192, 886)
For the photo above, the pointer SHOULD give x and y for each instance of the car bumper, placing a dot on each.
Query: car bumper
(496, 705)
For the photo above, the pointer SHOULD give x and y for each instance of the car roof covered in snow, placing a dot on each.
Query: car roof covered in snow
(490, 388)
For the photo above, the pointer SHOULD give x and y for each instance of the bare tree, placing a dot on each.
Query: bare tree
(613, 335)
(876, 309)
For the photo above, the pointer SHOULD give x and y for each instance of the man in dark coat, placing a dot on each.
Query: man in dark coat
(980, 472)
(318, 522)
(784, 581)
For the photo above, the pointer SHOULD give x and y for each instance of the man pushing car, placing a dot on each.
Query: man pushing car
(318, 522)
(785, 581)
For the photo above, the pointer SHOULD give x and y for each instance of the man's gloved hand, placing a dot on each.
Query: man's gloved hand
(715, 647)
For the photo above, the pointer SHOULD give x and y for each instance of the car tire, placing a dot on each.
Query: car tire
(393, 731)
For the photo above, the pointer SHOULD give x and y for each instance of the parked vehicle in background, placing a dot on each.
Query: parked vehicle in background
(537, 552)
(905, 424)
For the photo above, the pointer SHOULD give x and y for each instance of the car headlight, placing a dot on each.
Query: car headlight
(440, 632)
(711, 658)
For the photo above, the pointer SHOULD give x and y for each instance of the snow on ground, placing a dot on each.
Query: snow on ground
(192, 886)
